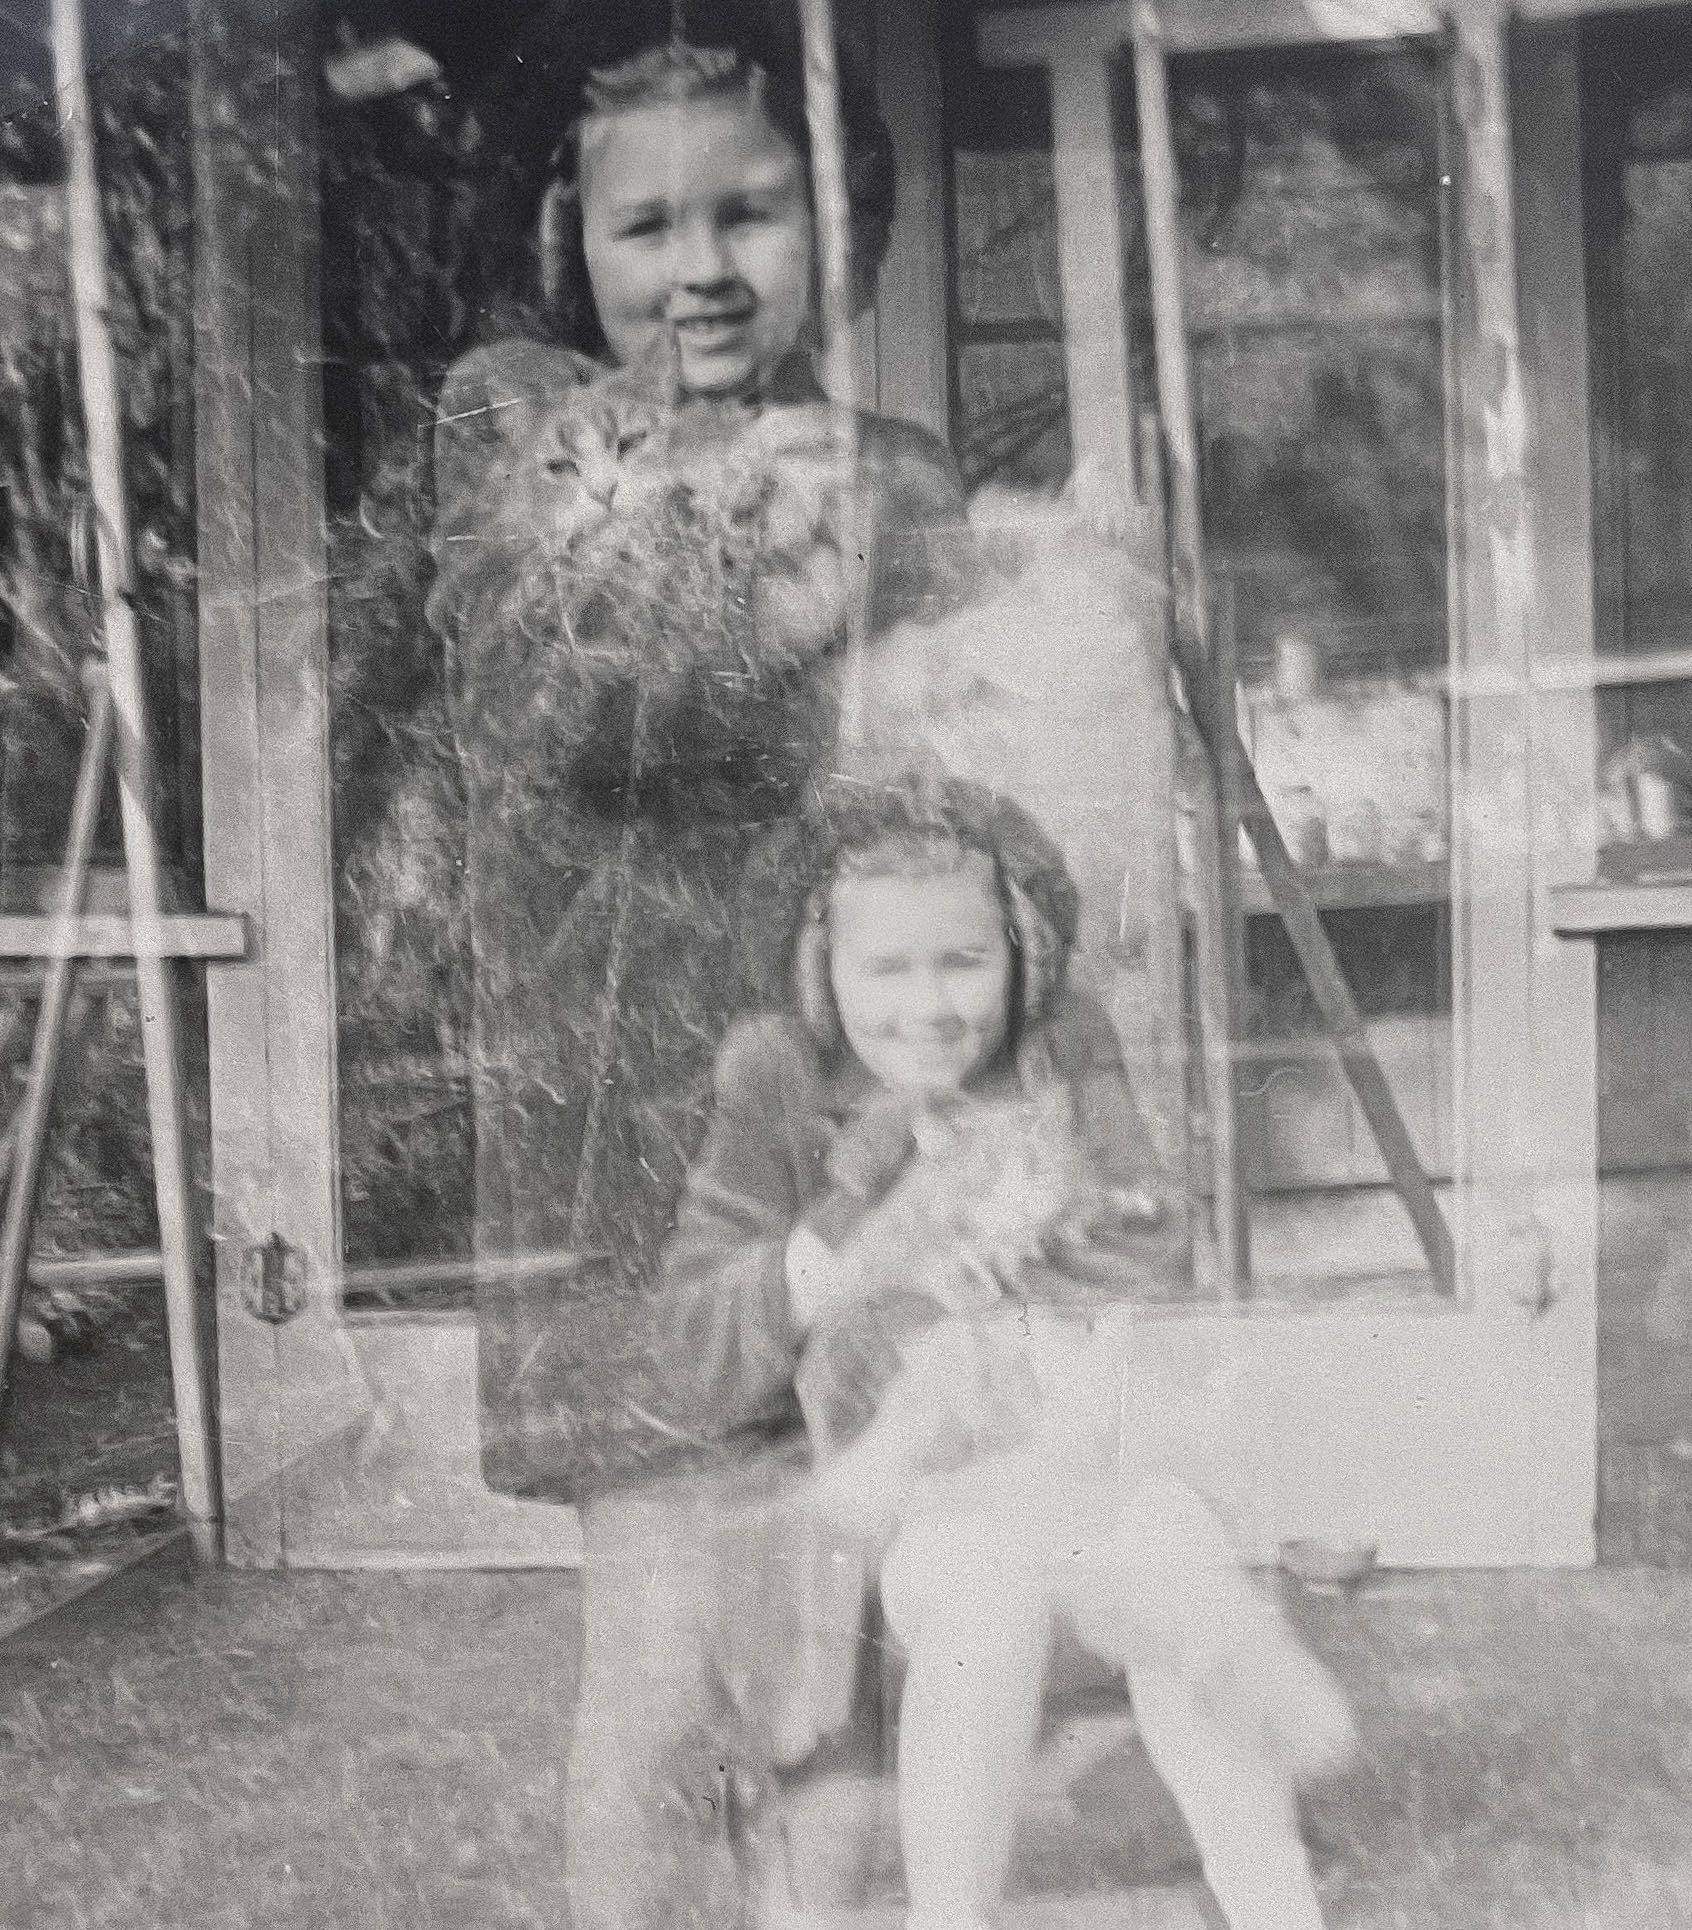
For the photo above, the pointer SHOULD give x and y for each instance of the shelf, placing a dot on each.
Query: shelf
(1358, 887)
(1583, 911)
(1640, 887)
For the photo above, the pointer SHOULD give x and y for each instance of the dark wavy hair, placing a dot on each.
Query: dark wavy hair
(572, 61)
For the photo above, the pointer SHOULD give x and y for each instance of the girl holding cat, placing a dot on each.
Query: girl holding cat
(929, 1004)
(638, 581)
(639, 586)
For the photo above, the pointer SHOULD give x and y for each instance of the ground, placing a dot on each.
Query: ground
(383, 1751)
(93, 1421)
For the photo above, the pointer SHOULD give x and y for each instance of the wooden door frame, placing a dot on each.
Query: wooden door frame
(347, 1442)
(352, 1441)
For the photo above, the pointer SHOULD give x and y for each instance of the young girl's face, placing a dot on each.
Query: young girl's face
(695, 219)
(921, 970)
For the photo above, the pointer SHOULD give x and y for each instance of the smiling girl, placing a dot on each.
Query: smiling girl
(677, 230)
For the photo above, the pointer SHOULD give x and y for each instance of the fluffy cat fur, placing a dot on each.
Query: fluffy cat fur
(998, 1192)
(711, 517)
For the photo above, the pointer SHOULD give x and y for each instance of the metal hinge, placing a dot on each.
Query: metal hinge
(273, 1280)
(1533, 1265)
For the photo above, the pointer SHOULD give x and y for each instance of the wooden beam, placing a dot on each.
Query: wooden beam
(264, 723)
(1219, 929)
(201, 935)
(1076, 45)
(228, 47)
(911, 324)
(1024, 36)
(1493, 908)
(1586, 911)
(133, 1266)
(1021, 36)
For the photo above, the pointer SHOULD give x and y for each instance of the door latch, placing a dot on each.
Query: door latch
(273, 1280)
(1533, 1266)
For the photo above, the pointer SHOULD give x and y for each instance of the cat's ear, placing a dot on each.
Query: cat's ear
(581, 369)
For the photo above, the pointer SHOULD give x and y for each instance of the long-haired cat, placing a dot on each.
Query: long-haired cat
(916, 1373)
(706, 511)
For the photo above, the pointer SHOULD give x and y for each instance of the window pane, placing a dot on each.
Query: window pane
(1013, 414)
(394, 243)
(1004, 208)
(1310, 215)
(1006, 217)
(1656, 386)
(1323, 472)
(1639, 136)
(1310, 185)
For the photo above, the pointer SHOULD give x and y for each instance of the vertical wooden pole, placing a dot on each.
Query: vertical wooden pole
(1548, 75)
(835, 1579)
(97, 367)
(1231, 820)
(1217, 905)
(1493, 895)
(840, 367)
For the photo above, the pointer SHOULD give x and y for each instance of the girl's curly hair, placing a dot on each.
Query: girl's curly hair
(572, 62)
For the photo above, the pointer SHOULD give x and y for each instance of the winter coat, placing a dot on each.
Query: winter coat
(613, 797)
(784, 1118)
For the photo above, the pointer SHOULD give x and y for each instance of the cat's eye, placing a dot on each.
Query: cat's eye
(631, 439)
(559, 463)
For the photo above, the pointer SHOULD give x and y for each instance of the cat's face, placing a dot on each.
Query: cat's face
(602, 450)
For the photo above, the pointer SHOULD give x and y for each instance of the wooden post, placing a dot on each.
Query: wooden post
(1077, 45)
(1224, 657)
(840, 368)
(1493, 890)
(911, 319)
(102, 418)
(832, 1586)
(1217, 901)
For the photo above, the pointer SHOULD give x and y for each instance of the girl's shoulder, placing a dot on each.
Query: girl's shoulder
(908, 460)
(1075, 1037)
(765, 1058)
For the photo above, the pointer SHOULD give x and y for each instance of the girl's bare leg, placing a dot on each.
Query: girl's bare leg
(975, 1624)
(1238, 1805)
(1215, 1679)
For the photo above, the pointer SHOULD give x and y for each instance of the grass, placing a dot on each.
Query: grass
(92, 1420)
(319, 1751)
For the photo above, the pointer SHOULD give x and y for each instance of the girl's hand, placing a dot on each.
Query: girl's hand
(871, 1150)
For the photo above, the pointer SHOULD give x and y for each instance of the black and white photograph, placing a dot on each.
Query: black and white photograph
(846, 964)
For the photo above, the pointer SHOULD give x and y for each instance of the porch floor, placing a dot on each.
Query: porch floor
(384, 1750)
